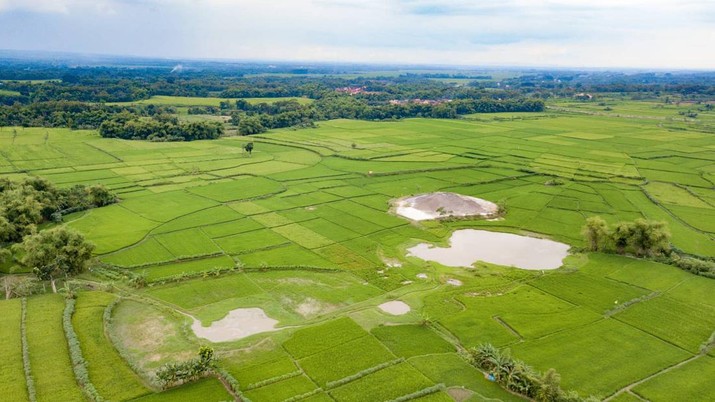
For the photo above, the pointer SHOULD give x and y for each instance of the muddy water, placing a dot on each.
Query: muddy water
(468, 246)
(395, 307)
(239, 323)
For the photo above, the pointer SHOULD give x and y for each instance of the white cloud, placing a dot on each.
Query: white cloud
(629, 33)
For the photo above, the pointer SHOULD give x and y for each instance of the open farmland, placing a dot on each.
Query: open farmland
(301, 229)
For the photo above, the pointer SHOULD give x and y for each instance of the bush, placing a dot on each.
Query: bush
(172, 374)
(79, 365)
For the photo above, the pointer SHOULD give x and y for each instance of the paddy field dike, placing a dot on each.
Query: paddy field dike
(295, 248)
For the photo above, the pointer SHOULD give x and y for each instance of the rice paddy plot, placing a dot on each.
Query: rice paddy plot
(188, 243)
(282, 390)
(159, 272)
(49, 354)
(383, 385)
(453, 371)
(689, 382)
(595, 293)
(411, 340)
(207, 390)
(12, 375)
(615, 356)
(685, 325)
(345, 359)
(108, 371)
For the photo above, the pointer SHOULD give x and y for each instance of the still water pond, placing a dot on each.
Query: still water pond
(468, 246)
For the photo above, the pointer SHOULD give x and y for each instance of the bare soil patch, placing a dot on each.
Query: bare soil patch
(443, 205)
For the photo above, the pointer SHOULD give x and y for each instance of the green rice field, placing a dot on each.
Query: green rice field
(302, 229)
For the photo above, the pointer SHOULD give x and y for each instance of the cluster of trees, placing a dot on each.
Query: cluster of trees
(26, 204)
(517, 376)
(172, 374)
(54, 253)
(257, 118)
(72, 114)
(641, 237)
(50, 253)
(160, 128)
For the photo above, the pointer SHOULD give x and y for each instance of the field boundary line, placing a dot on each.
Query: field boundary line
(511, 329)
(29, 380)
(273, 380)
(629, 387)
(363, 373)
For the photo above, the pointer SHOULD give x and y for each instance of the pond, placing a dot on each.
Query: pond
(239, 323)
(468, 246)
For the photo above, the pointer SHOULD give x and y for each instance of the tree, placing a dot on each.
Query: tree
(621, 236)
(550, 388)
(250, 125)
(249, 147)
(56, 252)
(596, 232)
(17, 285)
(650, 237)
(100, 196)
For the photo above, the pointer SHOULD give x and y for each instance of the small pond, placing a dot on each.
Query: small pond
(468, 246)
(239, 323)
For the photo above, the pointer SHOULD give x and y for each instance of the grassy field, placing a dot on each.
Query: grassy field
(49, 353)
(12, 376)
(304, 228)
(109, 373)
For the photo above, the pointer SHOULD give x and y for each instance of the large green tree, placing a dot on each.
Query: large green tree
(596, 232)
(55, 253)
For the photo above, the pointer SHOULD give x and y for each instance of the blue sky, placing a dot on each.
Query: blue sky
(565, 33)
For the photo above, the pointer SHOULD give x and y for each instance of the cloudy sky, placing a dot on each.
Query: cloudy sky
(569, 33)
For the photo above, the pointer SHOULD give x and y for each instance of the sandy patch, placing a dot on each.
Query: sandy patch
(391, 262)
(239, 323)
(454, 282)
(395, 307)
(468, 246)
(310, 308)
(460, 394)
(443, 205)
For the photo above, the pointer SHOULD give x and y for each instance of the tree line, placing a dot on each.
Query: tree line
(160, 128)
(73, 114)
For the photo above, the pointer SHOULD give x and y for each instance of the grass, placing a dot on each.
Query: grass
(312, 340)
(282, 390)
(209, 390)
(452, 371)
(386, 384)
(12, 376)
(411, 340)
(150, 336)
(345, 359)
(49, 354)
(306, 198)
(109, 373)
(612, 370)
(201, 292)
(682, 324)
(687, 383)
